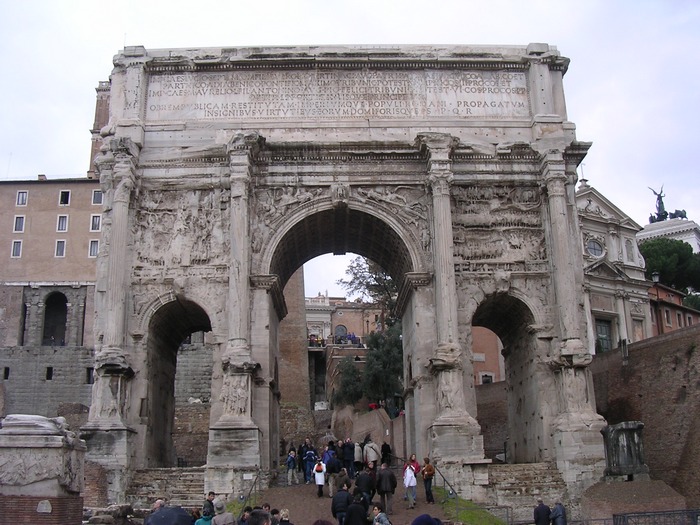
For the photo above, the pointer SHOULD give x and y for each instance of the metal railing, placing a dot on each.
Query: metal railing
(673, 517)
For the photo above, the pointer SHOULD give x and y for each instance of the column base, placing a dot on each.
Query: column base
(234, 447)
(457, 441)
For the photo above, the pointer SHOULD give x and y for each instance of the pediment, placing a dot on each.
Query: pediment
(606, 270)
(594, 205)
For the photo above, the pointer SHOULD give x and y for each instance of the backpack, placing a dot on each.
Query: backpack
(319, 468)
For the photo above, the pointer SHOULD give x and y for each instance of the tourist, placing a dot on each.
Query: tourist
(309, 459)
(416, 468)
(541, 513)
(320, 476)
(558, 514)
(426, 519)
(333, 467)
(348, 454)
(243, 520)
(292, 476)
(343, 478)
(275, 517)
(357, 511)
(386, 485)
(409, 483)
(221, 516)
(259, 517)
(205, 519)
(365, 485)
(386, 453)
(284, 517)
(357, 458)
(341, 502)
(379, 517)
(209, 503)
(157, 506)
(428, 472)
(372, 453)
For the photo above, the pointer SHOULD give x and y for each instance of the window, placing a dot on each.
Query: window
(62, 223)
(19, 224)
(49, 373)
(16, 249)
(22, 198)
(486, 378)
(89, 375)
(95, 223)
(94, 248)
(679, 317)
(60, 249)
(96, 197)
(594, 248)
(603, 335)
(6, 373)
(667, 316)
(690, 320)
(64, 198)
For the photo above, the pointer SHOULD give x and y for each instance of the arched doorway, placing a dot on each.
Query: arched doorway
(171, 326)
(527, 377)
(55, 316)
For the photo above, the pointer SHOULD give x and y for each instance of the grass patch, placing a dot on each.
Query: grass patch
(463, 510)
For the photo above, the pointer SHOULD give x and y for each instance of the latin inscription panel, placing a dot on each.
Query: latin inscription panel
(322, 95)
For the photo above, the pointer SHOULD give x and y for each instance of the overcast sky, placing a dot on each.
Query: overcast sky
(632, 88)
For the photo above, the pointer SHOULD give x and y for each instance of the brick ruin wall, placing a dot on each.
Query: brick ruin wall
(658, 384)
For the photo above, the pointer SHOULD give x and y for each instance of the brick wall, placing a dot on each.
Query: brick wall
(293, 362)
(27, 389)
(66, 510)
(191, 433)
(658, 385)
(492, 415)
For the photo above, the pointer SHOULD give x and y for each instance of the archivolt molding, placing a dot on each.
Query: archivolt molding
(273, 231)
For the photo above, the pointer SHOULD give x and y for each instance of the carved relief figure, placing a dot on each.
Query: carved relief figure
(235, 393)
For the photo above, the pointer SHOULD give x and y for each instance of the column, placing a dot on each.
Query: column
(235, 437)
(455, 434)
(576, 439)
(564, 255)
(117, 169)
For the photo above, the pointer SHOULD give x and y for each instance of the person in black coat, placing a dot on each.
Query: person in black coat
(357, 511)
(341, 502)
(541, 514)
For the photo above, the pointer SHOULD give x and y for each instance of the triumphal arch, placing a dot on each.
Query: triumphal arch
(454, 168)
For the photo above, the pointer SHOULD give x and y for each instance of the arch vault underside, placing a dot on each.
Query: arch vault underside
(223, 176)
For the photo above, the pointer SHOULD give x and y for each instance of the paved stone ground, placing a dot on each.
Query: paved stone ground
(305, 506)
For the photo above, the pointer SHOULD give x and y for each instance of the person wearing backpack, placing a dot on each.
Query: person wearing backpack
(320, 476)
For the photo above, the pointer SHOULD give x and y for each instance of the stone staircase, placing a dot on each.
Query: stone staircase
(519, 485)
(177, 486)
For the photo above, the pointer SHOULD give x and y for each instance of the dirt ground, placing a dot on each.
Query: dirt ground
(305, 507)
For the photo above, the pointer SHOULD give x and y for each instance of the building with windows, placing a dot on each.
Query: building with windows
(667, 310)
(50, 238)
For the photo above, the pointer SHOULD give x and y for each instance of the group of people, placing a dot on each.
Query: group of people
(214, 513)
(364, 465)
(345, 457)
(543, 515)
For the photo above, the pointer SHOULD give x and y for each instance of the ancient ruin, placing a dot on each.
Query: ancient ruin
(454, 168)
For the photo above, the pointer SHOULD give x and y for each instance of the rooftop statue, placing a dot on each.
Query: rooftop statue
(661, 213)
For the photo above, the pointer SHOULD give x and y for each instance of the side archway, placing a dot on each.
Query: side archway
(528, 379)
(169, 326)
(55, 317)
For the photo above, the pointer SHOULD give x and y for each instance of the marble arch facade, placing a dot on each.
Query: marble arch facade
(224, 170)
